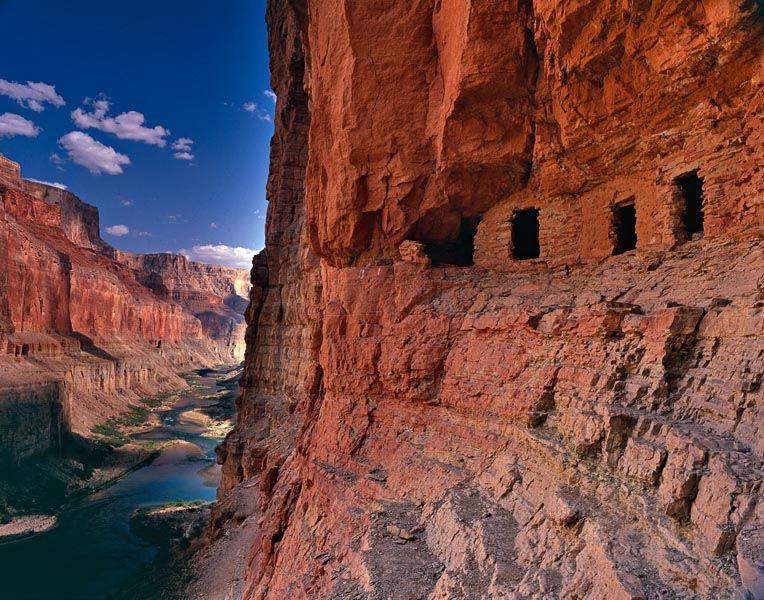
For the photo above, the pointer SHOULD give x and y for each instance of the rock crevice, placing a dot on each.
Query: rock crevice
(584, 424)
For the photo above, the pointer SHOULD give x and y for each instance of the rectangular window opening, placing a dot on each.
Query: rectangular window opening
(525, 234)
(691, 187)
(625, 225)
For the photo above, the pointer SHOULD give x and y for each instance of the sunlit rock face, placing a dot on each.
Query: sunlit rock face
(506, 336)
(86, 330)
(215, 295)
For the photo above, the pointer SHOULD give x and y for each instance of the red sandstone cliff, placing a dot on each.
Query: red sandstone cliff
(425, 415)
(213, 294)
(87, 329)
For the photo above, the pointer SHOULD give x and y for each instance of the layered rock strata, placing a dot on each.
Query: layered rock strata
(506, 339)
(85, 330)
(215, 295)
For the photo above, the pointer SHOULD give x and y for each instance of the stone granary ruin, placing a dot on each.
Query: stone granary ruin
(461, 382)
(506, 339)
(662, 218)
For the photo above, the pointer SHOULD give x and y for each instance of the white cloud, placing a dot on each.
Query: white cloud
(60, 186)
(214, 225)
(253, 108)
(144, 234)
(126, 126)
(182, 144)
(93, 155)
(270, 95)
(12, 125)
(118, 230)
(126, 203)
(220, 255)
(31, 95)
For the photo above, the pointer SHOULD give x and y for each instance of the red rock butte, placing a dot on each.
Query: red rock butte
(86, 330)
(506, 338)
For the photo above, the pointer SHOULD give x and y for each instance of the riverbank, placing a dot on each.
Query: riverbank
(35, 492)
(25, 526)
(101, 548)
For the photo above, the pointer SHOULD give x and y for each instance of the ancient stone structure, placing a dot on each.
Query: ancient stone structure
(86, 330)
(506, 337)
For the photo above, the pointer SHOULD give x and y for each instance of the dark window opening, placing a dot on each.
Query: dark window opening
(625, 222)
(691, 187)
(25, 350)
(525, 234)
(459, 252)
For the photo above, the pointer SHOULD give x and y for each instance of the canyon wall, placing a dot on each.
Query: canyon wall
(506, 339)
(215, 295)
(85, 330)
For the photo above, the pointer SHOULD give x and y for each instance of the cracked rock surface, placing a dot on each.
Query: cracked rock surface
(578, 425)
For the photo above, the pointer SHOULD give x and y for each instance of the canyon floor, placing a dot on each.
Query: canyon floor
(111, 542)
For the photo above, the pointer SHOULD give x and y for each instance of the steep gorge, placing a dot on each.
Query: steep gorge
(577, 425)
(86, 330)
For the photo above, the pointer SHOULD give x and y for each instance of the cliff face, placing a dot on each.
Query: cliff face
(506, 338)
(215, 295)
(85, 330)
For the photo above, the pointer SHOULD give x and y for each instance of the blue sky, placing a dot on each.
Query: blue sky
(133, 83)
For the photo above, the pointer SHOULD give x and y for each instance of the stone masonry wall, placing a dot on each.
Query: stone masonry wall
(580, 425)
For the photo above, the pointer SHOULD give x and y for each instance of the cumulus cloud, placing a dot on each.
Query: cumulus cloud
(182, 144)
(93, 155)
(220, 255)
(182, 147)
(270, 95)
(126, 126)
(54, 184)
(12, 125)
(31, 95)
(118, 230)
(253, 108)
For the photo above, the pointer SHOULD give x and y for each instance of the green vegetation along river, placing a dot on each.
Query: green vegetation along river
(94, 553)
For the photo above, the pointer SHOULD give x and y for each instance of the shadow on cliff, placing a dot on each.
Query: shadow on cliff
(757, 8)
(89, 346)
(46, 483)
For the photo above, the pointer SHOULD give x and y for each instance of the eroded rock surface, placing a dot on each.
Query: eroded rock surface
(85, 330)
(424, 415)
(215, 295)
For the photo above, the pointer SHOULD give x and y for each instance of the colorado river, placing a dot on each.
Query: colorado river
(93, 553)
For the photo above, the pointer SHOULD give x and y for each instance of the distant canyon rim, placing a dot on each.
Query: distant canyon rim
(86, 331)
